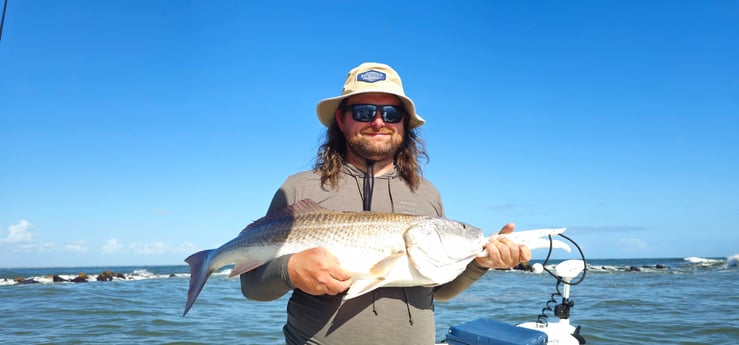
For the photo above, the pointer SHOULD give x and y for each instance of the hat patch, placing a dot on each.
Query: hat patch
(371, 76)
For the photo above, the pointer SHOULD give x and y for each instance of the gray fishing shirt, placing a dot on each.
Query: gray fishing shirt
(390, 315)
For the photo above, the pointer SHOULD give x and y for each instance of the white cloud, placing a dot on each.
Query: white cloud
(19, 233)
(186, 247)
(148, 248)
(35, 247)
(633, 243)
(78, 247)
(111, 246)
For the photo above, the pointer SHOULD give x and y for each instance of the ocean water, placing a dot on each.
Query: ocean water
(691, 301)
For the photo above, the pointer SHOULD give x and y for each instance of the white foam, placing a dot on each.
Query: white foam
(697, 260)
(223, 272)
(732, 261)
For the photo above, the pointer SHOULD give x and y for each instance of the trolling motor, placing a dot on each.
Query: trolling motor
(560, 332)
(542, 332)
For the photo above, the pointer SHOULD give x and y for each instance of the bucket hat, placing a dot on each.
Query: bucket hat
(365, 78)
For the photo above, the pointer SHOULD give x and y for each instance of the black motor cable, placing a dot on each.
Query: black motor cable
(582, 255)
(543, 318)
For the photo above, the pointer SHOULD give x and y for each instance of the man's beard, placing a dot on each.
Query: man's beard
(365, 148)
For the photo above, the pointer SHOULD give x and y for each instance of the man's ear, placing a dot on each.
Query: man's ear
(339, 119)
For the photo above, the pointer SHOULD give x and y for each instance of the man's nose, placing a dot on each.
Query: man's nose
(377, 121)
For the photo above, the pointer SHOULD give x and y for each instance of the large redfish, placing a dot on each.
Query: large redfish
(379, 249)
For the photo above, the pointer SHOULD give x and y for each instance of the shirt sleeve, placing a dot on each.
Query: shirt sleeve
(471, 274)
(267, 282)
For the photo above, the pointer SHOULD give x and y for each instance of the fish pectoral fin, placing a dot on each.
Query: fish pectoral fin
(244, 266)
(383, 267)
(376, 277)
(361, 287)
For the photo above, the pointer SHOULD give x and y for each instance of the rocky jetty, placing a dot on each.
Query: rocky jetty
(82, 277)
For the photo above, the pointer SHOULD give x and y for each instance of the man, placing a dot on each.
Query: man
(369, 162)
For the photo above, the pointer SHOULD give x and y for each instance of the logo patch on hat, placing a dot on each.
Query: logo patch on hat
(371, 76)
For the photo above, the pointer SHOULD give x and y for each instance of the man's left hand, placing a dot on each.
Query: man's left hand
(502, 252)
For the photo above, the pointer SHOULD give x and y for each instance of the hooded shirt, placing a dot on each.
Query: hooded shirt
(390, 315)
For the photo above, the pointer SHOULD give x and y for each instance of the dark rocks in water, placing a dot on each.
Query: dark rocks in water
(58, 279)
(524, 266)
(80, 278)
(24, 281)
(633, 269)
(662, 266)
(108, 275)
(172, 275)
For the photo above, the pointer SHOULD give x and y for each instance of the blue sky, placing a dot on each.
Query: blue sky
(137, 132)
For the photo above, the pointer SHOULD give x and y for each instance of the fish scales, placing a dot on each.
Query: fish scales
(332, 229)
(347, 227)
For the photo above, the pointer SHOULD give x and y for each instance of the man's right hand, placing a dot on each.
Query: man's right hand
(315, 271)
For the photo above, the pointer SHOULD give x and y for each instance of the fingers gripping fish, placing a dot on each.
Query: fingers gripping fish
(535, 239)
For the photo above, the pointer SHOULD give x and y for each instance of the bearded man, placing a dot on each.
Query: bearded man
(369, 161)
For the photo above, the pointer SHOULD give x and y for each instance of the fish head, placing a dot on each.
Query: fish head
(440, 249)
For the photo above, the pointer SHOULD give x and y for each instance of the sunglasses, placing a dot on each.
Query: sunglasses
(367, 112)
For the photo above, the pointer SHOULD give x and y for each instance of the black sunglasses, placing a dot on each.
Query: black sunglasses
(367, 112)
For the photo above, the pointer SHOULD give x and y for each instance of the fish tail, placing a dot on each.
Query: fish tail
(199, 272)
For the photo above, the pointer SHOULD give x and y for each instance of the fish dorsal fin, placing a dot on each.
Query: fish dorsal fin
(302, 207)
(305, 206)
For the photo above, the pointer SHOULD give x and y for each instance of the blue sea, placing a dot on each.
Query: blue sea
(625, 301)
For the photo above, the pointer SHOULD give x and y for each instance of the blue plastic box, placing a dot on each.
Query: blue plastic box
(490, 332)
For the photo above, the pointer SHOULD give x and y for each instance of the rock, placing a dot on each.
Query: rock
(634, 269)
(80, 278)
(58, 279)
(106, 276)
(661, 266)
(524, 266)
(23, 281)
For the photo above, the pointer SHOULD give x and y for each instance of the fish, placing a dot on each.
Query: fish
(378, 249)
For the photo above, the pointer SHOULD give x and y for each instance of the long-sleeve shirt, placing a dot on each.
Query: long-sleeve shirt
(391, 315)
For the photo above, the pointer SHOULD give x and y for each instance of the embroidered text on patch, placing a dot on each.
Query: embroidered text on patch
(371, 76)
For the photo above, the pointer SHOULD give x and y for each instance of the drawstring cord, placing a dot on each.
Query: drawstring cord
(374, 307)
(369, 185)
(407, 306)
(369, 188)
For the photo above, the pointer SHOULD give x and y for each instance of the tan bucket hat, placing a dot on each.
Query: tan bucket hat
(365, 78)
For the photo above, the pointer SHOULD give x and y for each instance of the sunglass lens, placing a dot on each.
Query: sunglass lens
(391, 114)
(364, 112)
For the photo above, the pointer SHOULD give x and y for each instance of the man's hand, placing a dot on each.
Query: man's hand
(315, 271)
(502, 252)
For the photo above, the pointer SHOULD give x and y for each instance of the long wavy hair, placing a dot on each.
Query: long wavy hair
(332, 155)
